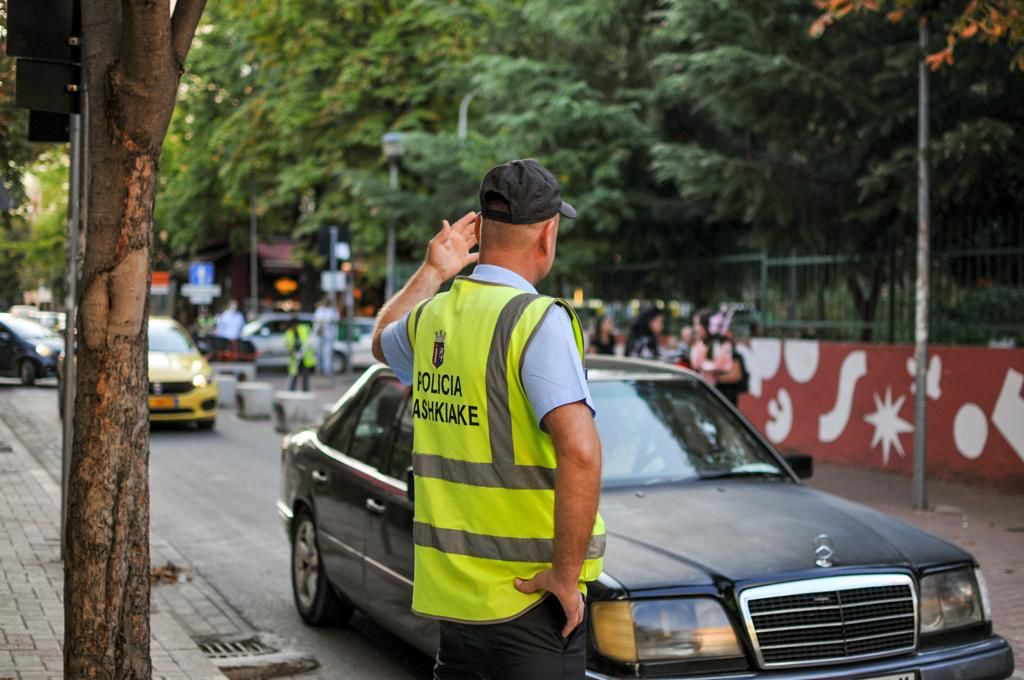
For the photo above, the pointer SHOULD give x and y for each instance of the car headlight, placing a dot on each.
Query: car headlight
(43, 350)
(201, 380)
(662, 630)
(952, 599)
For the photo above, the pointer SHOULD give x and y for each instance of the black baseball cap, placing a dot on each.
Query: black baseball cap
(522, 192)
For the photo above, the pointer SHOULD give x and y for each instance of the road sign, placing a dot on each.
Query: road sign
(201, 274)
(200, 294)
(161, 283)
(332, 281)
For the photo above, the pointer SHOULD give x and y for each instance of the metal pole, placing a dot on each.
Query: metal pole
(920, 499)
(333, 264)
(464, 114)
(350, 281)
(389, 284)
(70, 309)
(254, 297)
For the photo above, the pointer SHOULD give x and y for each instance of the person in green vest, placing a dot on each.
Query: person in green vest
(507, 458)
(301, 355)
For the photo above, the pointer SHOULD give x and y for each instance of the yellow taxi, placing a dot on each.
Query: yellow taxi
(181, 385)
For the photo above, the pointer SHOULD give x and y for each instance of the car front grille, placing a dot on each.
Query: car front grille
(170, 387)
(831, 620)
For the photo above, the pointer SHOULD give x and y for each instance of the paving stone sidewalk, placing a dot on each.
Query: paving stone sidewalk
(987, 523)
(31, 581)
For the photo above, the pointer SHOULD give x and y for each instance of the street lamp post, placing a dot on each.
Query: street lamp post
(393, 144)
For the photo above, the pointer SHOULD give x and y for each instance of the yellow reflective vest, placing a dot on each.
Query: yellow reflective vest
(294, 345)
(484, 470)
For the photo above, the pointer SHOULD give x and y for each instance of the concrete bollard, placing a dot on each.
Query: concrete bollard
(254, 399)
(241, 370)
(293, 410)
(226, 385)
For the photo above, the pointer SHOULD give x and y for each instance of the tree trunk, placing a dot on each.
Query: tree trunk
(133, 51)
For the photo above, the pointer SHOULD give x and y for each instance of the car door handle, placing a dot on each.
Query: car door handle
(375, 507)
(319, 477)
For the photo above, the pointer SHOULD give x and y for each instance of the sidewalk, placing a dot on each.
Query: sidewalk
(31, 587)
(989, 524)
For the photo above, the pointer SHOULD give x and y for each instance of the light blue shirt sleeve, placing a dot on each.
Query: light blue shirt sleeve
(552, 372)
(394, 342)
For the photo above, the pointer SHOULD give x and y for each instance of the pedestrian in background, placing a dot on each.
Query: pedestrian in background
(644, 336)
(681, 355)
(325, 329)
(301, 358)
(506, 583)
(713, 354)
(602, 340)
(229, 322)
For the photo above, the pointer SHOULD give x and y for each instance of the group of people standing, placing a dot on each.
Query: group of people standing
(707, 346)
(311, 348)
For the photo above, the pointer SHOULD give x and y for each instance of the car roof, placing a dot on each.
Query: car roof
(278, 316)
(604, 367)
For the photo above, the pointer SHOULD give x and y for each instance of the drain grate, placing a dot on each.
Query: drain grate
(5, 448)
(235, 649)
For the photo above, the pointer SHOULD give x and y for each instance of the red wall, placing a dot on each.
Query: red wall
(854, 404)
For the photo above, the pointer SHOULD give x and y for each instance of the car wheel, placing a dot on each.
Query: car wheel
(315, 597)
(206, 424)
(27, 372)
(340, 363)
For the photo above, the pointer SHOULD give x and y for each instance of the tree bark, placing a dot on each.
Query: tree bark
(132, 65)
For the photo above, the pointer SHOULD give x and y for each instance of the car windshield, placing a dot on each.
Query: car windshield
(668, 430)
(29, 330)
(169, 338)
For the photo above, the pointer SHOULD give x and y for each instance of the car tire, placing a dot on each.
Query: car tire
(340, 363)
(206, 424)
(28, 372)
(315, 597)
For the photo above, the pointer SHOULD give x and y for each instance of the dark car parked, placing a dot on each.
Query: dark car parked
(28, 350)
(720, 563)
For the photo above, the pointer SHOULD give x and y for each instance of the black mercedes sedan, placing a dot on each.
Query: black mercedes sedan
(720, 563)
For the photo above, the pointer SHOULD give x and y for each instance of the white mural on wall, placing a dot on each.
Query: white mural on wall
(832, 424)
(801, 359)
(780, 417)
(933, 377)
(970, 431)
(888, 424)
(1008, 415)
(763, 358)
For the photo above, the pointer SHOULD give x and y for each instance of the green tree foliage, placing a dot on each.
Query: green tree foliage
(681, 129)
(287, 102)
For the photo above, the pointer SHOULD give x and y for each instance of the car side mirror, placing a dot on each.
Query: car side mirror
(264, 332)
(410, 485)
(802, 464)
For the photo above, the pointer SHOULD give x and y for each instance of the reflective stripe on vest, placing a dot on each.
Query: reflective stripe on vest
(485, 473)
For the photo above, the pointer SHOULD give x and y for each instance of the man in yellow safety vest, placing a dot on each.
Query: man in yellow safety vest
(301, 357)
(506, 456)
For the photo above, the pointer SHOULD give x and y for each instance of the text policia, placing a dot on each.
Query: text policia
(442, 411)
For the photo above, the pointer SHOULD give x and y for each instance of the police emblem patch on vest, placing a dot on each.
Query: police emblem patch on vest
(438, 357)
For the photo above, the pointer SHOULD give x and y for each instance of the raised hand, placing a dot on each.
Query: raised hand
(448, 252)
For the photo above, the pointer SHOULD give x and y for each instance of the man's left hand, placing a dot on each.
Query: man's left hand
(567, 593)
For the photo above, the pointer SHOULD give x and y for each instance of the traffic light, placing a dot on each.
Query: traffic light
(45, 37)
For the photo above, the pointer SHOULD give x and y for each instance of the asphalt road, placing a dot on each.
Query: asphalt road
(213, 496)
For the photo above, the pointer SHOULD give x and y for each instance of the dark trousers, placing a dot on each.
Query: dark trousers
(530, 647)
(304, 372)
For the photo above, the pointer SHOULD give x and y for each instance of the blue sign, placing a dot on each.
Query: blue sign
(200, 273)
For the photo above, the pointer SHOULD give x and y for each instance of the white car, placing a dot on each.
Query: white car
(266, 333)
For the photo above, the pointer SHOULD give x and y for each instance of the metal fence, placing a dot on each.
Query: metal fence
(977, 288)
